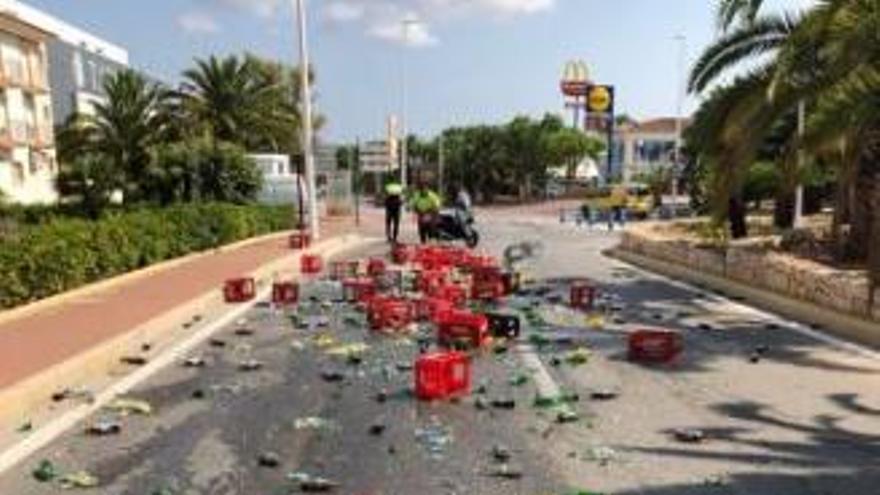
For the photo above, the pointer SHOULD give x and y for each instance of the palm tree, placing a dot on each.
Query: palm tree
(226, 101)
(118, 136)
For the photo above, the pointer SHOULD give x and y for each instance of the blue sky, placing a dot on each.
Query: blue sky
(470, 61)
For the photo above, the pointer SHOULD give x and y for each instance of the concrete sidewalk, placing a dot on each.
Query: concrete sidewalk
(39, 339)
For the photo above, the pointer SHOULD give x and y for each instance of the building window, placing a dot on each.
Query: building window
(93, 73)
(78, 74)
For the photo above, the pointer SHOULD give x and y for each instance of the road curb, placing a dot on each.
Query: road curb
(165, 332)
(840, 324)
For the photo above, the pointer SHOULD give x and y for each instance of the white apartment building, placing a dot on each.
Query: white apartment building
(27, 145)
(645, 145)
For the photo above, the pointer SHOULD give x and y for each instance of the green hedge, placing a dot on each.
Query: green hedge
(65, 253)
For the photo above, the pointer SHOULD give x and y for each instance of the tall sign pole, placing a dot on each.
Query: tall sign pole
(307, 139)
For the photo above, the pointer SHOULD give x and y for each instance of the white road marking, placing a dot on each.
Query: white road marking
(547, 387)
(57, 426)
(796, 326)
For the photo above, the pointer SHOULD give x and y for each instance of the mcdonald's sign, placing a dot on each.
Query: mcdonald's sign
(575, 79)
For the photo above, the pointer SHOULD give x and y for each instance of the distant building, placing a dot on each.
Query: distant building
(281, 183)
(642, 146)
(27, 144)
(78, 62)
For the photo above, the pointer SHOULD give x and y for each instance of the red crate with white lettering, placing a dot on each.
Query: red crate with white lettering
(401, 254)
(285, 293)
(391, 315)
(239, 290)
(655, 346)
(376, 267)
(487, 284)
(358, 290)
(430, 308)
(442, 375)
(300, 240)
(583, 295)
(463, 326)
(311, 264)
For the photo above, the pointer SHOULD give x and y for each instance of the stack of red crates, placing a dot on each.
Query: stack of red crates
(430, 280)
(430, 308)
(376, 267)
(442, 375)
(390, 314)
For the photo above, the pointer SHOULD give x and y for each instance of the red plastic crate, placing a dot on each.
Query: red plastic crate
(239, 290)
(358, 289)
(311, 264)
(430, 308)
(285, 293)
(655, 346)
(391, 314)
(583, 295)
(487, 284)
(376, 267)
(401, 254)
(430, 280)
(454, 326)
(442, 375)
(512, 282)
(456, 295)
(475, 262)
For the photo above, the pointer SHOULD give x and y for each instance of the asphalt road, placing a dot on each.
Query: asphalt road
(802, 420)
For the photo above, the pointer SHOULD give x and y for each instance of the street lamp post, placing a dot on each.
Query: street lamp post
(801, 159)
(679, 103)
(306, 97)
(404, 117)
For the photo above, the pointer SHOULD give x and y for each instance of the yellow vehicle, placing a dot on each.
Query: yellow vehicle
(636, 198)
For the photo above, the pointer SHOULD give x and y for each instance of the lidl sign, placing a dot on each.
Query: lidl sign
(600, 99)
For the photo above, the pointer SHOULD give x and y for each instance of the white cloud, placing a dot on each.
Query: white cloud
(343, 11)
(261, 8)
(412, 34)
(198, 22)
(383, 18)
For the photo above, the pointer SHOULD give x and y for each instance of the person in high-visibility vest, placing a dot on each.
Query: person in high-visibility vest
(426, 204)
(393, 207)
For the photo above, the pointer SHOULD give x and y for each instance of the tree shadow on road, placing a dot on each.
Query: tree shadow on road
(837, 460)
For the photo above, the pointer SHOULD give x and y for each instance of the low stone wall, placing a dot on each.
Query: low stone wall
(805, 280)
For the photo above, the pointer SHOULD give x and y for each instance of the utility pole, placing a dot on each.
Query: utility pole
(679, 104)
(306, 96)
(801, 162)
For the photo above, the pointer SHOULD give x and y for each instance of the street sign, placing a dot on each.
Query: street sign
(600, 99)
(575, 79)
(376, 156)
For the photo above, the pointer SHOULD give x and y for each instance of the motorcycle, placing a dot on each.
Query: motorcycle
(457, 224)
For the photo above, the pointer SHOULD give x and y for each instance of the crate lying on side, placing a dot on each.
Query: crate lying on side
(239, 290)
(442, 375)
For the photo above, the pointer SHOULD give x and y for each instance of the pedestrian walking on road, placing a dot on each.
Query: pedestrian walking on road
(393, 208)
(426, 204)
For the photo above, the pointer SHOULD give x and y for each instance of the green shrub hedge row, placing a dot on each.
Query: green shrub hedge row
(64, 253)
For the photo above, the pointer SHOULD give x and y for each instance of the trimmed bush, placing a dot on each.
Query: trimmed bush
(61, 254)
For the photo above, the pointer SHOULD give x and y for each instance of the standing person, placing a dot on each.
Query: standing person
(426, 204)
(393, 207)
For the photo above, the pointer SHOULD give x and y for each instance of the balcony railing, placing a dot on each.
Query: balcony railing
(20, 74)
(40, 136)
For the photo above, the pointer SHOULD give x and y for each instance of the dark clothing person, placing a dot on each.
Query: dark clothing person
(393, 209)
